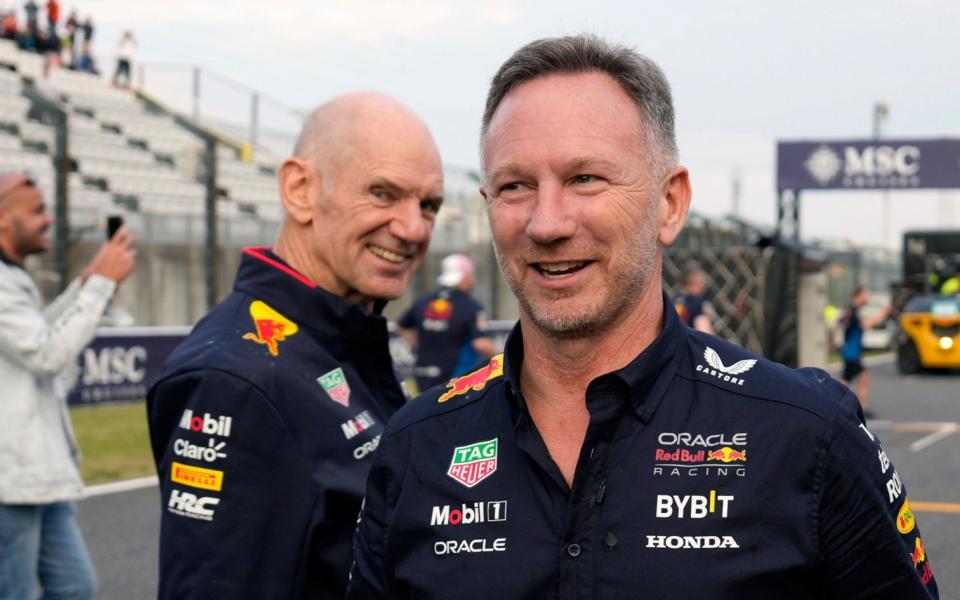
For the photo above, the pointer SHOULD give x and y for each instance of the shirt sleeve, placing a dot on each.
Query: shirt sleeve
(237, 508)
(46, 347)
(371, 575)
(870, 543)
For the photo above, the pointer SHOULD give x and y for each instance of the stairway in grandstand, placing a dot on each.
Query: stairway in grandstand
(130, 158)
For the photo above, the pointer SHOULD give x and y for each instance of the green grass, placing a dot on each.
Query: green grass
(114, 441)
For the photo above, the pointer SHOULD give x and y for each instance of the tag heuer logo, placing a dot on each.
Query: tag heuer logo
(473, 463)
(336, 386)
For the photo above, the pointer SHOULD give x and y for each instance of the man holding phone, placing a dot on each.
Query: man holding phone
(39, 537)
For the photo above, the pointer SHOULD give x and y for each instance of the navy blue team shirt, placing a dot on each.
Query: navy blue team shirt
(263, 423)
(446, 320)
(706, 472)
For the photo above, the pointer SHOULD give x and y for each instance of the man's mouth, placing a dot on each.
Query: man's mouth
(560, 269)
(387, 254)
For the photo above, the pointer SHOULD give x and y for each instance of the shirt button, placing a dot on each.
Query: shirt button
(573, 550)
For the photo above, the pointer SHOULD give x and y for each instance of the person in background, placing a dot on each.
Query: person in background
(88, 30)
(854, 325)
(692, 306)
(447, 327)
(40, 542)
(53, 17)
(125, 53)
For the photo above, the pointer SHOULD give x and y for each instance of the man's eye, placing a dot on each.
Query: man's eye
(584, 179)
(380, 193)
(513, 186)
(430, 206)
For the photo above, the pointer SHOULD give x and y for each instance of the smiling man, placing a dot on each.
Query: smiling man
(265, 419)
(612, 452)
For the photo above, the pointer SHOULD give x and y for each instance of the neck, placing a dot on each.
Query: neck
(10, 252)
(559, 370)
(291, 246)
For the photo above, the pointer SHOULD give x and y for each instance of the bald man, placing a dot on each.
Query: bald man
(40, 543)
(264, 420)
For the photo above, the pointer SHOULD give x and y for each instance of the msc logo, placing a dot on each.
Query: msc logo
(677, 542)
(198, 477)
(186, 504)
(271, 327)
(480, 512)
(692, 507)
(207, 424)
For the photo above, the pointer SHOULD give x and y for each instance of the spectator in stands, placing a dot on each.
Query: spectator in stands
(692, 305)
(31, 9)
(39, 537)
(128, 47)
(53, 17)
(286, 385)
(447, 327)
(73, 23)
(88, 30)
(9, 25)
(86, 60)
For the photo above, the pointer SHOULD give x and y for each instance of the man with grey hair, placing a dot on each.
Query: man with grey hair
(264, 420)
(612, 452)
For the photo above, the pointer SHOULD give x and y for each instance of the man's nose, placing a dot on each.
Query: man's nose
(552, 217)
(409, 223)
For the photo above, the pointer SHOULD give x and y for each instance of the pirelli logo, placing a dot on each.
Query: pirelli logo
(198, 477)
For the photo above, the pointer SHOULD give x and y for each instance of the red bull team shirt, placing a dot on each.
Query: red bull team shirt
(705, 472)
(263, 424)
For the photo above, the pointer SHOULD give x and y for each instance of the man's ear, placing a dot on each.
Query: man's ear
(673, 204)
(299, 182)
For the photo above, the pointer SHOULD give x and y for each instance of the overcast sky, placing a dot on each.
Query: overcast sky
(744, 75)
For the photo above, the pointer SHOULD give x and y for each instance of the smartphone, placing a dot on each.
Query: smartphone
(114, 222)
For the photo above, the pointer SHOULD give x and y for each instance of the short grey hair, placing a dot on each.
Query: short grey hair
(639, 77)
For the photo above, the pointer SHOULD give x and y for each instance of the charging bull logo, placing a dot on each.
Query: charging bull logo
(272, 327)
(727, 454)
(474, 381)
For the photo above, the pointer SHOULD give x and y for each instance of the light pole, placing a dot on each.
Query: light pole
(881, 111)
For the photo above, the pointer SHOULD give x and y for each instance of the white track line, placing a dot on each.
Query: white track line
(120, 486)
(947, 430)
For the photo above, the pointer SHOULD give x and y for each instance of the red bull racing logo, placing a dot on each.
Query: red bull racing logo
(272, 327)
(473, 463)
(474, 381)
(441, 308)
(727, 455)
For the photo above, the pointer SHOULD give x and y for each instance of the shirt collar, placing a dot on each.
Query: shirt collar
(646, 377)
(345, 326)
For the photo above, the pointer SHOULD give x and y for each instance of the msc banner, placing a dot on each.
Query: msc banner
(121, 363)
(868, 164)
